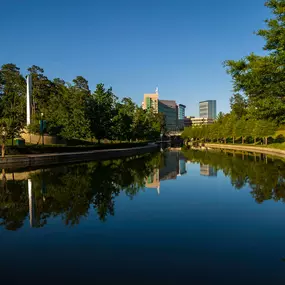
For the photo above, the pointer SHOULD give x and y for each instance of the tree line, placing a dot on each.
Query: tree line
(258, 103)
(228, 128)
(71, 110)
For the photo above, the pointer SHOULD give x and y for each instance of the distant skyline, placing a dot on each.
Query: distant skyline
(136, 46)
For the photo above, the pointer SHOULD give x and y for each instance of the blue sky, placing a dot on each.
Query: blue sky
(135, 45)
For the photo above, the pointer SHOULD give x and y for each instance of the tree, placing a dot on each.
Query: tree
(8, 129)
(230, 126)
(140, 123)
(220, 117)
(81, 84)
(265, 129)
(238, 105)
(123, 120)
(261, 78)
(42, 88)
(241, 129)
(12, 97)
(101, 110)
(66, 113)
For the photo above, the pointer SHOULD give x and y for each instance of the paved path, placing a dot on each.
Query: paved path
(265, 150)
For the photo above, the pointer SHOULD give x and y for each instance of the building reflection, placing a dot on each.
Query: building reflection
(174, 164)
(207, 170)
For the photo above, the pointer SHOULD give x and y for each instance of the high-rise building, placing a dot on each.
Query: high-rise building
(181, 111)
(207, 109)
(150, 102)
(169, 108)
(170, 111)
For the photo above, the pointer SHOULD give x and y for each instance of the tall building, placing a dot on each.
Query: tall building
(170, 111)
(150, 101)
(207, 109)
(169, 108)
(181, 111)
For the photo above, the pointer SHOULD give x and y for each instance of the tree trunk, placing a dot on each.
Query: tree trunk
(3, 175)
(233, 140)
(4, 180)
(99, 141)
(265, 140)
(3, 150)
(242, 140)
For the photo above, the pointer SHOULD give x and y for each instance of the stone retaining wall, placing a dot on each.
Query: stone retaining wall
(59, 158)
(271, 151)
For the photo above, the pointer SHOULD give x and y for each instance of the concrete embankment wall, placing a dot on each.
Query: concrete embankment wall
(270, 151)
(83, 156)
(37, 139)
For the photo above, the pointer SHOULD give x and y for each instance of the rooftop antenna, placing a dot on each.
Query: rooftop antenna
(156, 90)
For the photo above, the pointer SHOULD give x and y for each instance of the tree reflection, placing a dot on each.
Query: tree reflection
(265, 176)
(72, 191)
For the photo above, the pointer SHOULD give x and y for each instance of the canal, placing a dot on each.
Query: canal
(189, 217)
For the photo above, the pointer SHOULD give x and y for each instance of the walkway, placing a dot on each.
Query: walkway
(265, 150)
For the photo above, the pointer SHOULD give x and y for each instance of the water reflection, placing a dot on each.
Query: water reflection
(72, 191)
(173, 164)
(263, 174)
(207, 170)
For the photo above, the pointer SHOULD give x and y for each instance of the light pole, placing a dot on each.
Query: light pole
(42, 128)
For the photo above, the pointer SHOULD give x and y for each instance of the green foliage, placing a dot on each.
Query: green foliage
(229, 126)
(101, 110)
(12, 99)
(238, 105)
(8, 130)
(71, 110)
(261, 78)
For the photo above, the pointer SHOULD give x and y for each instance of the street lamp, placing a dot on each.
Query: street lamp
(42, 128)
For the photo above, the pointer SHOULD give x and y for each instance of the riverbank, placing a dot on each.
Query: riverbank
(22, 161)
(265, 150)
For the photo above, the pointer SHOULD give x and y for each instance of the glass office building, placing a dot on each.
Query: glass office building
(181, 111)
(208, 109)
(169, 109)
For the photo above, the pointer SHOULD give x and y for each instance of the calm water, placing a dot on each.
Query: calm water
(172, 218)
